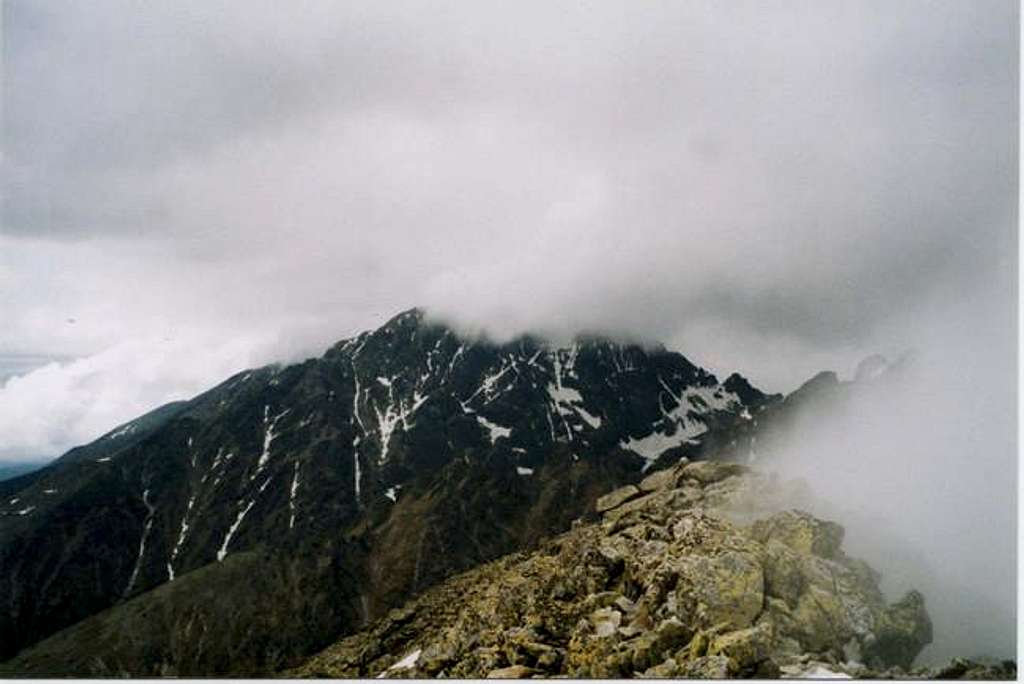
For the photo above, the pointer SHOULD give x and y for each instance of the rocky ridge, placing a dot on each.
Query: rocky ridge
(694, 572)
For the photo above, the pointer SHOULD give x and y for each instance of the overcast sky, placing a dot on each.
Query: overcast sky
(191, 188)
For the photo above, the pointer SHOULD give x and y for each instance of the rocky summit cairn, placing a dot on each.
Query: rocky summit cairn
(681, 576)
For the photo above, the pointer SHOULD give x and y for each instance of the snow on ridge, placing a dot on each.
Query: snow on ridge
(269, 425)
(496, 431)
(455, 358)
(567, 400)
(393, 414)
(688, 425)
(362, 428)
(487, 385)
(182, 534)
(124, 430)
(150, 510)
(291, 498)
(231, 531)
(593, 421)
(656, 443)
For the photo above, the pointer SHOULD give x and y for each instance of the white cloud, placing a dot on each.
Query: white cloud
(50, 409)
(773, 187)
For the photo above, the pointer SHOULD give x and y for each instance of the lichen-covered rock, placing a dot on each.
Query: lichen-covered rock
(616, 498)
(666, 585)
(707, 472)
(901, 631)
(669, 669)
(707, 667)
(725, 589)
(662, 479)
(783, 572)
(606, 622)
(801, 532)
(745, 648)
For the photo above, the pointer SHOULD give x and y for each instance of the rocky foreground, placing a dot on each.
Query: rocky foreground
(689, 574)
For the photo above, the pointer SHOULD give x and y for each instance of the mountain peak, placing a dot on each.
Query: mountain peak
(411, 431)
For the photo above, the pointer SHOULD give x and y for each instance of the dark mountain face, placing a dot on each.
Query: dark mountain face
(354, 480)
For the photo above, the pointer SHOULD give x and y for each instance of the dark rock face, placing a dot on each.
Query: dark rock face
(398, 458)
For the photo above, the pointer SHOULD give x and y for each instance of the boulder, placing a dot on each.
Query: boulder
(723, 590)
(801, 532)
(662, 479)
(616, 498)
(783, 573)
(669, 669)
(707, 472)
(744, 647)
(707, 667)
(901, 631)
(652, 647)
(606, 621)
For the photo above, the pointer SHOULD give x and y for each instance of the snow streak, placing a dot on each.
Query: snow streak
(148, 525)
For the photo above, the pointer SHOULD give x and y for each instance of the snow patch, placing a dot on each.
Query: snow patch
(568, 401)
(294, 491)
(489, 384)
(150, 510)
(524, 471)
(592, 421)
(103, 460)
(231, 531)
(655, 444)
(26, 511)
(817, 672)
(182, 534)
(269, 425)
(393, 414)
(496, 431)
(408, 661)
(125, 430)
(688, 421)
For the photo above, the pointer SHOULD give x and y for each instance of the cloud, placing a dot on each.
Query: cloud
(919, 468)
(59, 405)
(770, 187)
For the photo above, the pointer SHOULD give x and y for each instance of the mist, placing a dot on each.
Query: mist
(920, 467)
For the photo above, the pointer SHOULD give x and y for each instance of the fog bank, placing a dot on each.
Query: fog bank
(920, 467)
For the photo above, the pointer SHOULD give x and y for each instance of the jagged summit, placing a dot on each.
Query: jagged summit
(401, 455)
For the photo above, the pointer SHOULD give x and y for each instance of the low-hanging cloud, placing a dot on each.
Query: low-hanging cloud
(919, 466)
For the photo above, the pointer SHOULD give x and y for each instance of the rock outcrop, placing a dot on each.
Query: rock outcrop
(680, 577)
